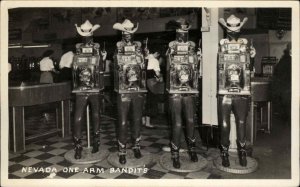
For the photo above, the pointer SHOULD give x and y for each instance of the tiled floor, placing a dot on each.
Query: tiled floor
(49, 154)
(45, 159)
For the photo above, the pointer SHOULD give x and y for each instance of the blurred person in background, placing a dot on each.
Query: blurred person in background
(282, 84)
(155, 86)
(47, 67)
(65, 64)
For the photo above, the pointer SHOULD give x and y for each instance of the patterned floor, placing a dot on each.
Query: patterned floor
(45, 159)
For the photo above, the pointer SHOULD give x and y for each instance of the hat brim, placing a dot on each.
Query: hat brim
(90, 33)
(120, 27)
(232, 29)
(180, 29)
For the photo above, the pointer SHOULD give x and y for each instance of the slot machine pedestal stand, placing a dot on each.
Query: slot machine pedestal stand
(87, 156)
(235, 166)
(132, 162)
(186, 164)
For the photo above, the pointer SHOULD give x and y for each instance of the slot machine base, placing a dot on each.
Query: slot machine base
(87, 156)
(130, 92)
(87, 91)
(132, 162)
(235, 166)
(186, 164)
(182, 92)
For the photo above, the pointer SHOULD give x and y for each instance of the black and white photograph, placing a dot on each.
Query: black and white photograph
(174, 93)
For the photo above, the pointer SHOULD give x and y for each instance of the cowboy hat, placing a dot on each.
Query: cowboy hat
(183, 25)
(233, 23)
(87, 29)
(126, 26)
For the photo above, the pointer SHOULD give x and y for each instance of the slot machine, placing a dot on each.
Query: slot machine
(87, 69)
(182, 69)
(235, 61)
(129, 71)
(234, 68)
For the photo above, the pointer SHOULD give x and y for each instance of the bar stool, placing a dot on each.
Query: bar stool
(261, 96)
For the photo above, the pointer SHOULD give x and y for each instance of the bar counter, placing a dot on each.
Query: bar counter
(24, 94)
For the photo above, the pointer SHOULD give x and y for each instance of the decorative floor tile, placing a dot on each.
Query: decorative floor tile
(21, 173)
(64, 174)
(103, 164)
(151, 139)
(38, 175)
(64, 163)
(44, 156)
(179, 173)
(103, 141)
(41, 164)
(81, 167)
(33, 153)
(14, 168)
(97, 177)
(49, 153)
(157, 145)
(29, 162)
(82, 175)
(68, 147)
(126, 176)
(11, 163)
(145, 143)
(109, 175)
(59, 144)
(198, 175)
(57, 168)
(46, 148)
(57, 151)
(153, 149)
(163, 141)
(154, 174)
(19, 158)
(55, 159)
(57, 177)
(214, 176)
(157, 167)
(14, 155)
(12, 176)
(172, 176)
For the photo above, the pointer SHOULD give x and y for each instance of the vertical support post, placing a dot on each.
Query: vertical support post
(261, 116)
(269, 116)
(18, 129)
(88, 126)
(62, 119)
(253, 121)
(67, 116)
(210, 45)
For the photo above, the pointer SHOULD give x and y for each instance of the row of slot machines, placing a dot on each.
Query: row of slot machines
(183, 69)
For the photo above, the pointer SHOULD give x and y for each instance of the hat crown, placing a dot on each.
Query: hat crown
(233, 20)
(127, 24)
(86, 26)
(183, 23)
(126, 27)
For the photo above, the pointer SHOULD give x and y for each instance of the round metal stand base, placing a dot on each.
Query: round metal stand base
(87, 157)
(186, 164)
(235, 166)
(131, 161)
